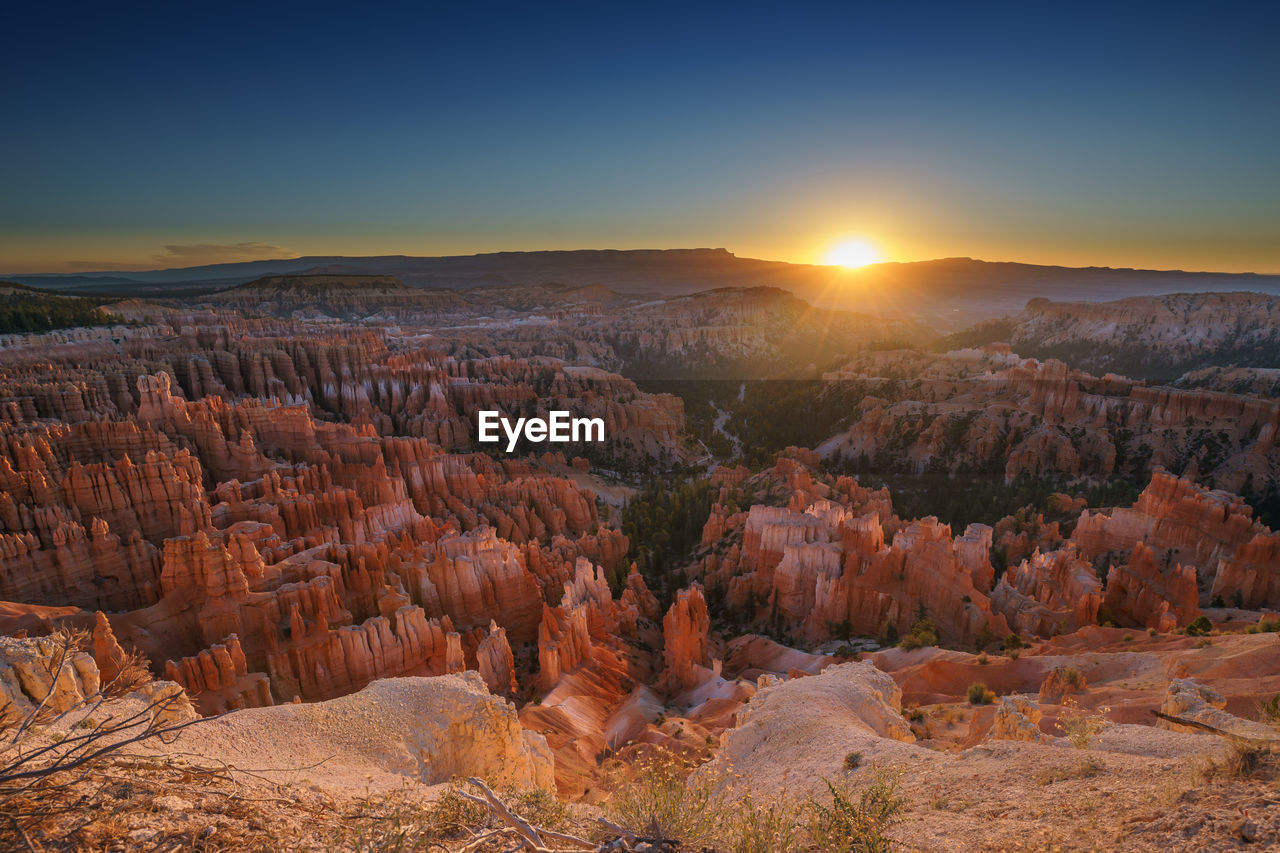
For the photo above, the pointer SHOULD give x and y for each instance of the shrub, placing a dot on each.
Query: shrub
(540, 807)
(982, 659)
(450, 816)
(1200, 626)
(980, 695)
(923, 633)
(1011, 642)
(861, 825)
(853, 761)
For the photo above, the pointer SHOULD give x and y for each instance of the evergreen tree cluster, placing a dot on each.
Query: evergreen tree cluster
(664, 522)
(25, 310)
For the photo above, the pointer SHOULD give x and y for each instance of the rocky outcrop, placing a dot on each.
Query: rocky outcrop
(427, 730)
(821, 568)
(42, 670)
(496, 664)
(1016, 719)
(1061, 682)
(991, 411)
(795, 733)
(1251, 578)
(1172, 514)
(1142, 594)
(1191, 700)
(1047, 594)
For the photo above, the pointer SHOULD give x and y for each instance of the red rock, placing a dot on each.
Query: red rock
(684, 631)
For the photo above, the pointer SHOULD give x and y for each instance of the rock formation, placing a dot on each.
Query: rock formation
(1016, 719)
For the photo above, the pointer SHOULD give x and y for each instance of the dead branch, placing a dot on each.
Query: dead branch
(531, 837)
(1244, 740)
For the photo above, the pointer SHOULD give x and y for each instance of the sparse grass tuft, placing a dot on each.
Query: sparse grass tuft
(1269, 710)
(1240, 761)
(1085, 768)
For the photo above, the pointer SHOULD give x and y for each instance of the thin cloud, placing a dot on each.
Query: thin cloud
(194, 255)
(198, 254)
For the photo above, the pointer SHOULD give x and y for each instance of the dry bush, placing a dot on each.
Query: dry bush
(134, 668)
(856, 821)
(394, 824)
(768, 826)
(657, 797)
(1073, 678)
(43, 770)
(135, 672)
(1080, 727)
(467, 816)
(661, 800)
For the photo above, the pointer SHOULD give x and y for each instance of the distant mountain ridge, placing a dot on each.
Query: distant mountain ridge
(949, 293)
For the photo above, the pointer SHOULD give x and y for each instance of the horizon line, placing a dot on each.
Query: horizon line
(102, 272)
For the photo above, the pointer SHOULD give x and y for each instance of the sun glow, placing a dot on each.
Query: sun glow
(853, 253)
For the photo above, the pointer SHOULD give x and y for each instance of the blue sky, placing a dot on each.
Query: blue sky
(142, 135)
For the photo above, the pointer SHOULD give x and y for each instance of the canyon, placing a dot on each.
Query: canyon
(273, 499)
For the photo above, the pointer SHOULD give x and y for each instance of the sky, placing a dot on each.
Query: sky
(173, 134)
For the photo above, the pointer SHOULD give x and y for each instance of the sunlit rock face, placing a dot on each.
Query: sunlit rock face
(271, 511)
(1179, 547)
(1056, 592)
(991, 411)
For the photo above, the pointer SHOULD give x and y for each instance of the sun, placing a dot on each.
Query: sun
(853, 253)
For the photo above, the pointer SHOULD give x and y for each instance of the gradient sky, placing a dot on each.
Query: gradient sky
(175, 134)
